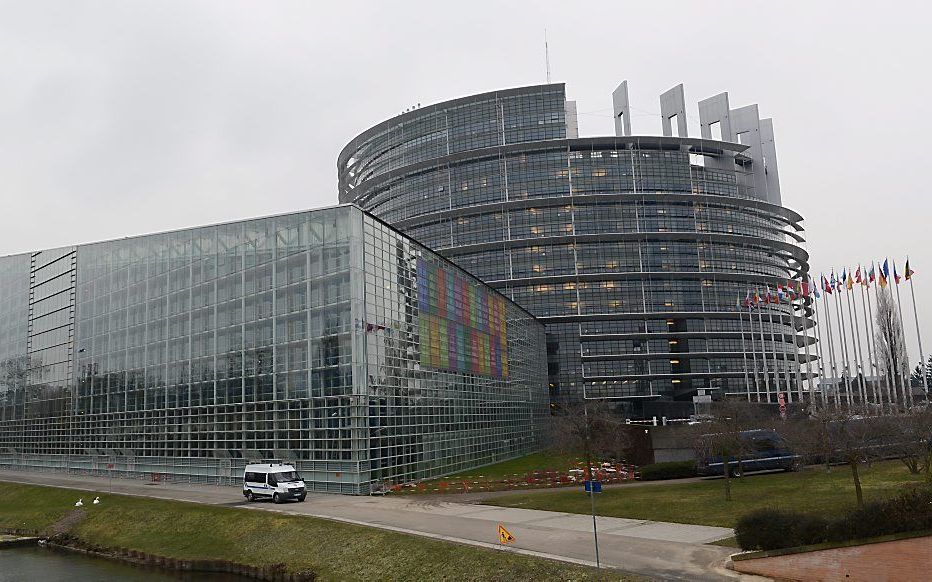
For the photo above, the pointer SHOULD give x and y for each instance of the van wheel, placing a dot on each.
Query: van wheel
(302, 497)
(276, 498)
(250, 497)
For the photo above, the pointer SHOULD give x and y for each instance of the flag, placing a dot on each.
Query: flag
(804, 287)
(857, 275)
(798, 290)
(780, 291)
(826, 285)
(756, 298)
(738, 302)
(850, 282)
(870, 274)
(882, 276)
(747, 300)
(896, 276)
(833, 281)
(909, 272)
(886, 269)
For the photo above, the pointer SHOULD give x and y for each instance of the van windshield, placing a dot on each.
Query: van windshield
(285, 477)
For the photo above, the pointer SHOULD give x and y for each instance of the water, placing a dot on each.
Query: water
(44, 564)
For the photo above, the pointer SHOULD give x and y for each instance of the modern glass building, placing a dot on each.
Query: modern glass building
(631, 249)
(325, 339)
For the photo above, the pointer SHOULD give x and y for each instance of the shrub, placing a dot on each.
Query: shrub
(910, 511)
(673, 470)
(770, 529)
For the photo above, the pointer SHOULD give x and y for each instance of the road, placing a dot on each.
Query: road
(658, 550)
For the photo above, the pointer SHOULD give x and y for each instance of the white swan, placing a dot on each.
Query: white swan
(96, 500)
(79, 503)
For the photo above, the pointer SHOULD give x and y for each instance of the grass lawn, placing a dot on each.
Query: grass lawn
(498, 476)
(811, 490)
(540, 461)
(334, 551)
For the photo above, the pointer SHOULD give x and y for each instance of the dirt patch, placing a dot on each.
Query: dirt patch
(65, 524)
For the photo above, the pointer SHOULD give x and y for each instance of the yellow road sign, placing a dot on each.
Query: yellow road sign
(503, 535)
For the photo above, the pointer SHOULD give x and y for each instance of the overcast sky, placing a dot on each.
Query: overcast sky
(122, 118)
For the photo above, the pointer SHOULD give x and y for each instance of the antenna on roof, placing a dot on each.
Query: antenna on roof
(547, 55)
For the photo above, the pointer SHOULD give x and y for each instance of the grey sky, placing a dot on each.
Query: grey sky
(121, 118)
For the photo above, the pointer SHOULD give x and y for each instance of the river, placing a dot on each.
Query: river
(47, 565)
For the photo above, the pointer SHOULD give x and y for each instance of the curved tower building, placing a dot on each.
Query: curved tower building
(632, 250)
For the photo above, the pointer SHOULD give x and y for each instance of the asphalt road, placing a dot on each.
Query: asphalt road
(658, 550)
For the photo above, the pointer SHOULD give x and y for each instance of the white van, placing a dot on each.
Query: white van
(276, 481)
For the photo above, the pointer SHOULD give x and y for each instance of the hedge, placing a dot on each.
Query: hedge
(773, 529)
(672, 470)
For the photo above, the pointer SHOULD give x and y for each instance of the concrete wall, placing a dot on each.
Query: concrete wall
(672, 443)
(904, 560)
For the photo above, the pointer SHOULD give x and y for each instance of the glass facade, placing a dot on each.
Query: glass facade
(320, 338)
(632, 250)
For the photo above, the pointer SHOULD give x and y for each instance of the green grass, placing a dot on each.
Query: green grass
(811, 490)
(498, 476)
(731, 542)
(540, 461)
(334, 551)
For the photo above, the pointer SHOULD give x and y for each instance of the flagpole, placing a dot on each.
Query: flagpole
(773, 346)
(858, 354)
(871, 353)
(783, 348)
(786, 361)
(816, 328)
(753, 351)
(922, 357)
(744, 350)
(907, 389)
(794, 352)
(844, 346)
(799, 371)
(836, 380)
(804, 315)
(763, 351)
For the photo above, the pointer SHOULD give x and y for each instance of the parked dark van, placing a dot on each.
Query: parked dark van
(761, 450)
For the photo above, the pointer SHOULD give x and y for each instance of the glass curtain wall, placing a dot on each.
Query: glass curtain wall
(632, 250)
(188, 354)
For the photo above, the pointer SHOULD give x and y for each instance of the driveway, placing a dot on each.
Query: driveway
(658, 550)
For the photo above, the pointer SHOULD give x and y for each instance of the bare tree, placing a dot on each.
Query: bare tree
(852, 439)
(810, 438)
(723, 440)
(891, 343)
(911, 440)
(592, 428)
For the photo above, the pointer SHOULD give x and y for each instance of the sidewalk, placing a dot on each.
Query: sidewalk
(659, 550)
